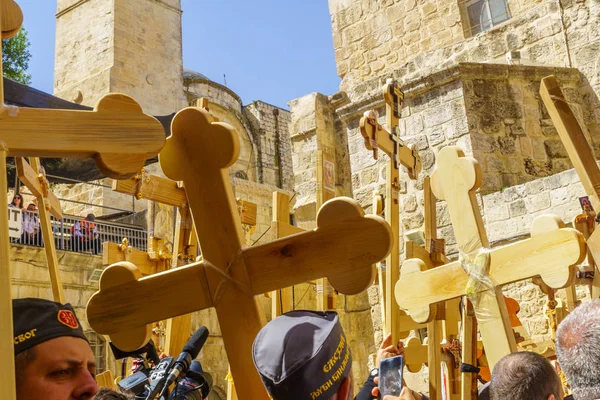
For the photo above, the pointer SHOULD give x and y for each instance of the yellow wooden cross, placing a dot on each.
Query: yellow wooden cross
(376, 137)
(34, 178)
(551, 253)
(343, 247)
(583, 160)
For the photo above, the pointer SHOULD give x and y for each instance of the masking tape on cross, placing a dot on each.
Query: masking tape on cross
(480, 283)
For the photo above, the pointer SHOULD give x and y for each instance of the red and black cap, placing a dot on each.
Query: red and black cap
(37, 320)
(302, 355)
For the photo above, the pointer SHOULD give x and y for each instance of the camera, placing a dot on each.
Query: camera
(152, 377)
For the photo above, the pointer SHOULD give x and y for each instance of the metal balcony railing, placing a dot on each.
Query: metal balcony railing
(78, 235)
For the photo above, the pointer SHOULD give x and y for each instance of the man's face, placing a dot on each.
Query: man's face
(63, 369)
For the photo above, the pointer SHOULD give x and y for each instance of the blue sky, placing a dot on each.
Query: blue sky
(269, 50)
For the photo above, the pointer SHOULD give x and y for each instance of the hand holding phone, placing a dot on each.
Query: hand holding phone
(390, 376)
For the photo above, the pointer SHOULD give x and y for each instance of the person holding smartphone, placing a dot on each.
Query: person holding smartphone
(370, 390)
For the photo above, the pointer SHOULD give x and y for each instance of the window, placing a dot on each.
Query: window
(485, 14)
(241, 175)
(98, 345)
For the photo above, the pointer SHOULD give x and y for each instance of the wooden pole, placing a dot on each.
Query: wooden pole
(282, 301)
(7, 350)
(7, 377)
(46, 226)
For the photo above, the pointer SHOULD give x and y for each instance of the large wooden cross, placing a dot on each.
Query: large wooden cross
(117, 134)
(376, 137)
(551, 253)
(582, 157)
(343, 248)
(34, 178)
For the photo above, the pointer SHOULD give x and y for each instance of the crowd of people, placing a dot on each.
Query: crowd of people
(301, 355)
(84, 235)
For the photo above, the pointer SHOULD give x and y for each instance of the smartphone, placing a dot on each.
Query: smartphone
(390, 376)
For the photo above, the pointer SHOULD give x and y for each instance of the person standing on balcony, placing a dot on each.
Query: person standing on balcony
(86, 236)
(17, 202)
(31, 227)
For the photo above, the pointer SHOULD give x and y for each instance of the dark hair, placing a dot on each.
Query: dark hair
(109, 394)
(20, 197)
(91, 217)
(524, 376)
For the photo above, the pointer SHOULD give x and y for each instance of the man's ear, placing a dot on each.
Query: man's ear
(551, 397)
(344, 392)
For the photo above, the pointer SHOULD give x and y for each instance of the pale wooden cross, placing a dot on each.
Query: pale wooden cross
(117, 134)
(583, 160)
(34, 178)
(376, 137)
(343, 247)
(551, 253)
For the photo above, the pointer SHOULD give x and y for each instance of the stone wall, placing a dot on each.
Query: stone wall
(273, 143)
(126, 46)
(493, 112)
(408, 39)
(84, 50)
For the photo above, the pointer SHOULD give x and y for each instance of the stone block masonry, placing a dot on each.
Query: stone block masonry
(409, 39)
(126, 46)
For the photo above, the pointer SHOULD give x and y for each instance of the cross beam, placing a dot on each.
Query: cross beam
(117, 134)
(34, 178)
(343, 248)
(153, 188)
(551, 253)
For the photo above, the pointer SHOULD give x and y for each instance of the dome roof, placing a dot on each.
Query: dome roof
(190, 74)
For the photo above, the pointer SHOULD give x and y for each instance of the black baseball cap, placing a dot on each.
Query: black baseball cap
(37, 320)
(302, 355)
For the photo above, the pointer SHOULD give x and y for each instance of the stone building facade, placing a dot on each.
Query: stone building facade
(470, 71)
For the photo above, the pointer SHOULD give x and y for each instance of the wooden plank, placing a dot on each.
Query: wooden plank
(113, 253)
(248, 212)
(413, 250)
(106, 379)
(343, 236)
(282, 299)
(7, 377)
(178, 333)
(469, 353)
(116, 310)
(118, 135)
(572, 136)
(153, 188)
(325, 299)
(30, 177)
(284, 229)
(47, 234)
(434, 358)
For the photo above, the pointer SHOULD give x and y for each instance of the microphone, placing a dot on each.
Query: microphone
(189, 353)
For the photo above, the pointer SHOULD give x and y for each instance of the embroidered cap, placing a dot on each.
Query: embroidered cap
(37, 320)
(302, 355)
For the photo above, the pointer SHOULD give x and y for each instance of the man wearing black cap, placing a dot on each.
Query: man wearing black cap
(53, 359)
(304, 355)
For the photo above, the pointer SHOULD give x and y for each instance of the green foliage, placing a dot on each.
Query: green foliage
(16, 56)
